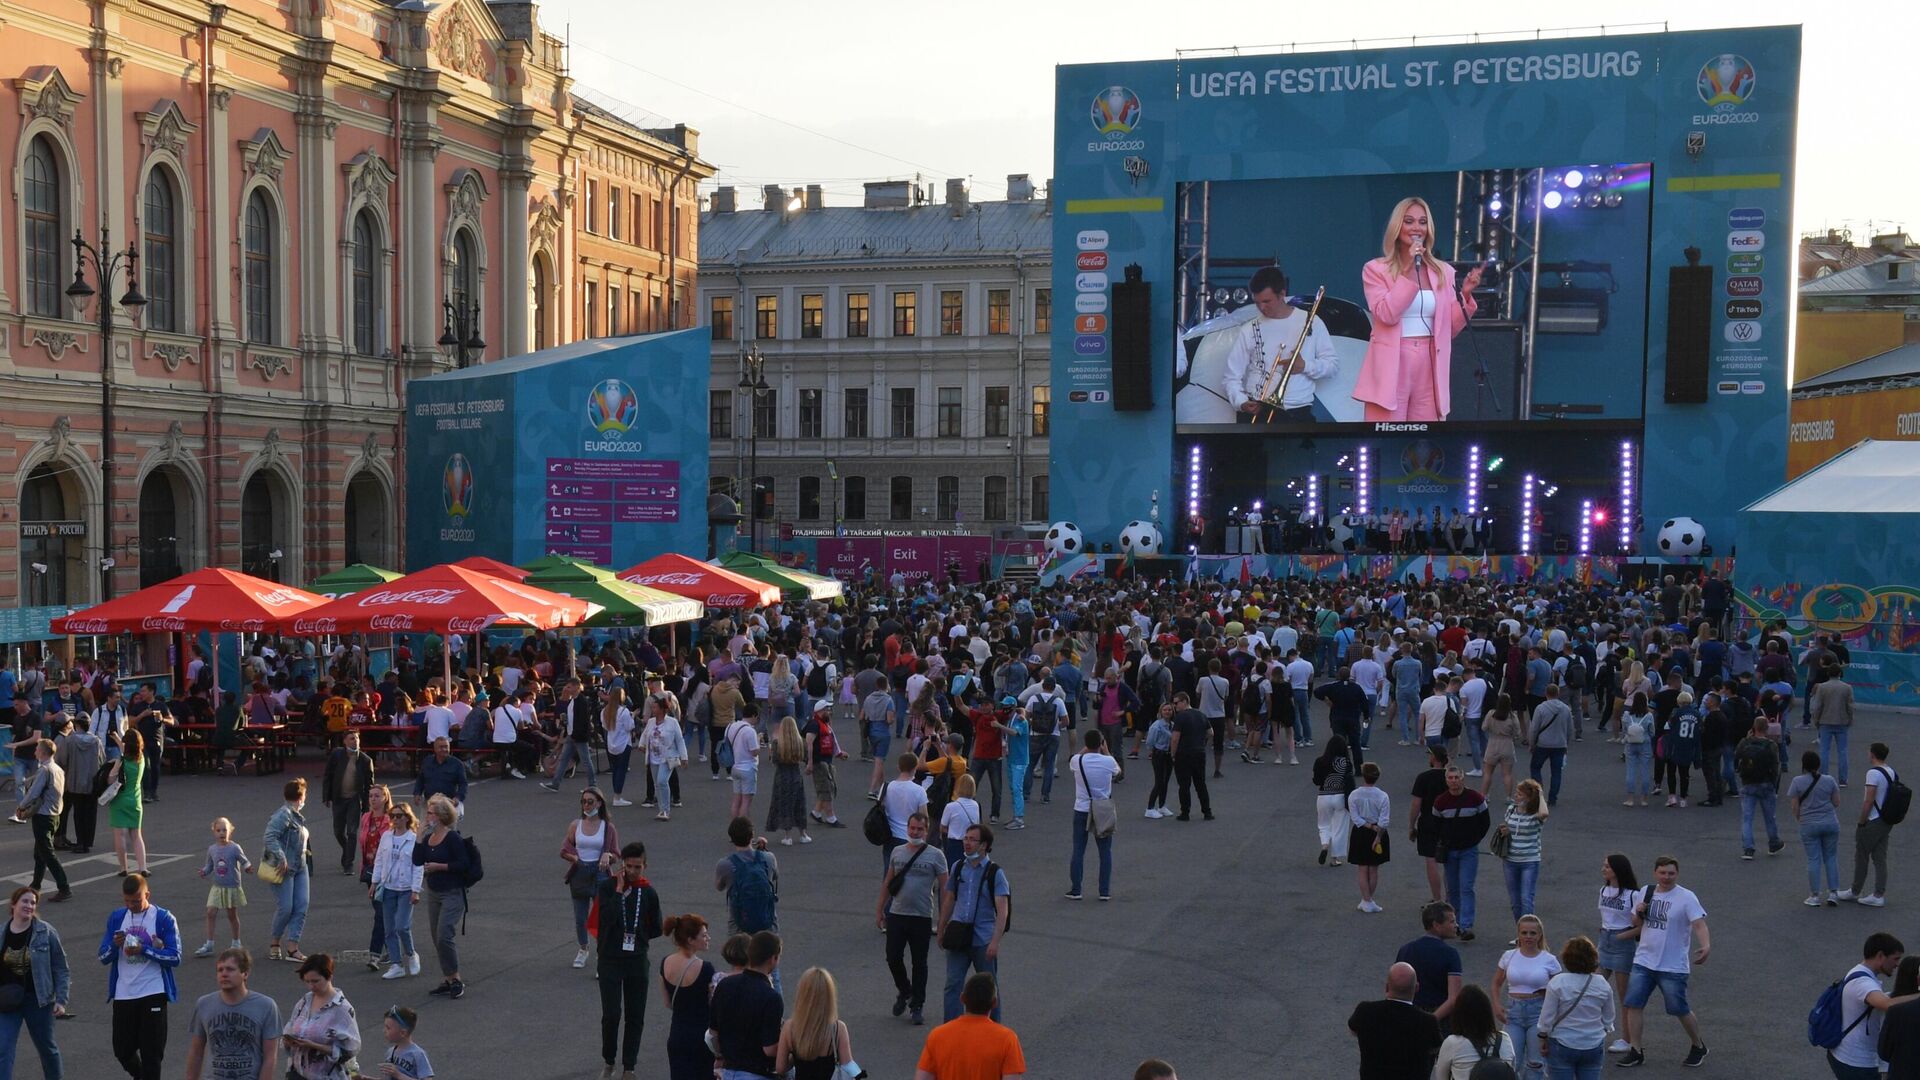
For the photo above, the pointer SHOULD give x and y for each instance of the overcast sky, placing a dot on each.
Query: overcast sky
(835, 92)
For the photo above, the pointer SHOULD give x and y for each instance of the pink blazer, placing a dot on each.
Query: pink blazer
(1387, 299)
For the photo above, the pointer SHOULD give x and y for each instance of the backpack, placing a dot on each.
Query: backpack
(878, 829)
(1823, 1020)
(1251, 701)
(751, 897)
(939, 793)
(1898, 799)
(1750, 763)
(817, 680)
(474, 731)
(1576, 674)
(1043, 715)
(1450, 724)
(475, 869)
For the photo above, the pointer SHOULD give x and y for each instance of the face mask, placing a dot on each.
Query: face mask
(591, 811)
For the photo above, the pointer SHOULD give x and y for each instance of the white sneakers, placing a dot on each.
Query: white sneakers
(206, 949)
(1152, 814)
(1470, 772)
(580, 959)
(1160, 812)
(1620, 1046)
(413, 964)
(395, 972)
(1871, 901)
(1369, 907)
(618, 801)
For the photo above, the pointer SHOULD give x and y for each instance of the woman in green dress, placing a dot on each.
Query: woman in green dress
(124, 812)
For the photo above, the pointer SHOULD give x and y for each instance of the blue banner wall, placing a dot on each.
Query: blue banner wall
(1127, 135)
(596, 449)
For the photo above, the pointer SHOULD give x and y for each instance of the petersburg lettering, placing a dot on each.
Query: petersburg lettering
(1485, 71)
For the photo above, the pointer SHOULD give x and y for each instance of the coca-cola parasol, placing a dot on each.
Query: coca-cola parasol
(447, 599)
(704, 582)
(206, 599)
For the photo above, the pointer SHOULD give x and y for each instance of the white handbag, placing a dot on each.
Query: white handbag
(108, 795)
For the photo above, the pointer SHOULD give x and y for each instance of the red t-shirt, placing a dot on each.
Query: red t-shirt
(988, 745)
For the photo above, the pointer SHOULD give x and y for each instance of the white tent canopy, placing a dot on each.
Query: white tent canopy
(1875, 476)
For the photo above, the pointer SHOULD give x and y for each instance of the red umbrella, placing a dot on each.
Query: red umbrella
(704, 582)
(492, 567)
(208, 599)
(447, 599)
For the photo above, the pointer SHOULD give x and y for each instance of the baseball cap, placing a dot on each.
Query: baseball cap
(1009, 700)
(822, 705)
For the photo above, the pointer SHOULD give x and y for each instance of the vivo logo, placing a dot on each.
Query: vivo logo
(1090, 344)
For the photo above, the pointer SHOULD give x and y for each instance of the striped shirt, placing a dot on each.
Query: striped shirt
(1525, 830)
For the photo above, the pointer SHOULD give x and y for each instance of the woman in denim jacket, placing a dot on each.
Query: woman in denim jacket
(31, 955)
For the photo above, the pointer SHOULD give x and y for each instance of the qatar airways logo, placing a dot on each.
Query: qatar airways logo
(425, 597)
(666, 579)
(316, 626)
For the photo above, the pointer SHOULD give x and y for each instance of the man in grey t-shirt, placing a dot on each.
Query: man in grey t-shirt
(907, 916)
(235, 1031)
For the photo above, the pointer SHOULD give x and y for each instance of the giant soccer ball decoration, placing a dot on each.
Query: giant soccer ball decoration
(1063, 539)
(1681, 537)
(1339, 536)
(1140, 538)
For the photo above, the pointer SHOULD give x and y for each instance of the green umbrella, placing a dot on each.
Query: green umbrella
(350, 579)
(809, 586)
(549, 562)
(622, 603)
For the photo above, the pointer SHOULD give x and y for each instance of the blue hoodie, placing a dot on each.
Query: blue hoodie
(165, 949)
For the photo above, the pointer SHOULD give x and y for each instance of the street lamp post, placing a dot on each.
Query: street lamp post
(462, 333)
(106, 262)
(753, 379)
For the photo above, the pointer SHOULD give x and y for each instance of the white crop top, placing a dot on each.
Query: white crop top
(590, 846)
(1417, 322)
(1528, 974)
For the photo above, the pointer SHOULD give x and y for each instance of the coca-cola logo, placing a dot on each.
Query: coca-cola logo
(666, 579)
(244, 626)
(391, 622)
(316, 626)
(167, 624)
(86, 626)
(278, 597)
(427, 597)
(467, 626)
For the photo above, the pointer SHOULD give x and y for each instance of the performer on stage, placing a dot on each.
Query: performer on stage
(1250, 366)
(1416, 312)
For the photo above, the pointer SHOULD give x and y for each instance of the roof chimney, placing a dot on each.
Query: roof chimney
(957, 197)
(772, 198)
(723, 200)
(1019, 187)
(887, 194)
(815, 199)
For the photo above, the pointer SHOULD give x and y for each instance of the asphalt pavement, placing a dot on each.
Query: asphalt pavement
(1226, 949)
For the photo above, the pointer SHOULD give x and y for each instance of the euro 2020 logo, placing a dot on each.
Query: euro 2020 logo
(456, 487)
(1726, 81)
(1116, 111)
(1422, 460)
(612, 408)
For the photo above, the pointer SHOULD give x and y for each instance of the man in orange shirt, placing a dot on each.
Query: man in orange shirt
(972, 1046)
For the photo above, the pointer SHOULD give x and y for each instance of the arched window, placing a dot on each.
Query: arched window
(366, 307)
(540, 304)
(466, 271)
(49, 560)
(163, 510)
(159, 223)
(46, 260)
(259, 250)
(262, 528)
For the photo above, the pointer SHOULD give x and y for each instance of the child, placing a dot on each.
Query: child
(225, 863)
(405, 1060)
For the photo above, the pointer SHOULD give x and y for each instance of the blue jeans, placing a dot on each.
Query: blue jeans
(1822, 841)
(1522, 878)
(696, 736)
(1105, 843)
(1832, 736)
(1523, 1022)
(1017, 771)
(881, 740)
(378, 940)
(1302, 723)
(1843, 1071)
(1406, 711)
(899, 714)
(1639, 769)
(1762, 796)
(1461, 868)
(1476, 739)
(959, 965)
(290, 905)
(619, 763)
(1564, 1063)
(1366, 723)
(396, 915)
(1045, 750)
(571, 751)
(1556, 756)
(39, 1022)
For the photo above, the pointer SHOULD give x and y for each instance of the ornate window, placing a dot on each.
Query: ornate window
(160, 225)
(46, 248)
(259, 245)
(366, 298)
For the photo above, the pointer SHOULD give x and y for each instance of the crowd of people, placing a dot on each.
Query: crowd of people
(967, 702)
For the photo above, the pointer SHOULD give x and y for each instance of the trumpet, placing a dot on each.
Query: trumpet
(1270, 395)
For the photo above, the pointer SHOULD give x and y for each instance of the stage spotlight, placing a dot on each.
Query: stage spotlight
(1595, 198)
(1551, 200)
(1575, 178)
(1599, 515)
(1241, 296)
(1221, 295)
(1614, 198)
(1616, 177)
(1593, 176)
(1494, 465)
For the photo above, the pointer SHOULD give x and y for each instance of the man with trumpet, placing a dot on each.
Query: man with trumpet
(1263, 380)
